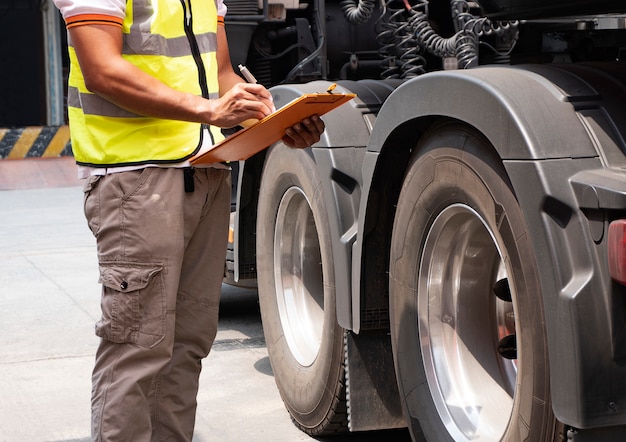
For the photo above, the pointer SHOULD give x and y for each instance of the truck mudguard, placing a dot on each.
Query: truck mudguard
(338, 156)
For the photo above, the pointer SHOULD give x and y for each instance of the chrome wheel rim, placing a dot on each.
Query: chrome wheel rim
(462, 324)
(298, 276)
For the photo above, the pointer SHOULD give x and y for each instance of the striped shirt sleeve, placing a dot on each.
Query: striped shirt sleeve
(83, 12)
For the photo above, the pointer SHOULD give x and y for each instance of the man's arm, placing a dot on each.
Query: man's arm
(99, 51)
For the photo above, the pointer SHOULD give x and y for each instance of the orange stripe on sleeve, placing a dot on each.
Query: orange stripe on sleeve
(93, 19)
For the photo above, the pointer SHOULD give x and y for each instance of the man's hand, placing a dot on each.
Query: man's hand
(305, 133)
(242, 102)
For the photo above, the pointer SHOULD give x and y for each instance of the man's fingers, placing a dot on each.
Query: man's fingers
(248, 100)
(315, 124)
(301, 136)
(292, 138)
(305, 133)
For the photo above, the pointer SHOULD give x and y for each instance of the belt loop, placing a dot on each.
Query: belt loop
(188, 173)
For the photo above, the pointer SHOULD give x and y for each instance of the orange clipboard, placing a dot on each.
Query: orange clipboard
(247, 142)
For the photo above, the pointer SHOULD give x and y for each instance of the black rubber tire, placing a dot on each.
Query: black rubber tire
(311, 386)
(454, 171)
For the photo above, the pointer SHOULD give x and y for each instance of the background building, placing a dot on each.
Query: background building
(33, 73)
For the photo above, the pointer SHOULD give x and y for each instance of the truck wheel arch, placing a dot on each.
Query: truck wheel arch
(521, 111)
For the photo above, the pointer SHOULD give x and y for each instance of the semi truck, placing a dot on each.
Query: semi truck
(451, 255)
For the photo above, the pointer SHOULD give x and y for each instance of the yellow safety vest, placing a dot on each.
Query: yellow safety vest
(172, 40)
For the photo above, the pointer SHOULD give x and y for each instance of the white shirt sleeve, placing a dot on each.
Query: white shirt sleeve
(221, 8)
(71, 8)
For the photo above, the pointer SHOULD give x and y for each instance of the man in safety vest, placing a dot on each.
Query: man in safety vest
(150, 85)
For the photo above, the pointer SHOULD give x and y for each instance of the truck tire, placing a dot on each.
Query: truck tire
(465, 301)
(297, 292)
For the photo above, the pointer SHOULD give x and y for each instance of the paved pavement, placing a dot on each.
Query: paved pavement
(49, 302)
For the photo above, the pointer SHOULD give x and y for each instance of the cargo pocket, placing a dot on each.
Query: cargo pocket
(133, 303)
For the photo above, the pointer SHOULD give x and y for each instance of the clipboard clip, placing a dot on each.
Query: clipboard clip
(331, 88)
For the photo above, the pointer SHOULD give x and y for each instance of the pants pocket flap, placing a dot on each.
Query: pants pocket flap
(128, 276)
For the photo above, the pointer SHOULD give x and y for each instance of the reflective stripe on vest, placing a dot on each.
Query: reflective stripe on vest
(155, 40)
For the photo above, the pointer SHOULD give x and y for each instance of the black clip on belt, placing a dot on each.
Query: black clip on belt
(188, 173)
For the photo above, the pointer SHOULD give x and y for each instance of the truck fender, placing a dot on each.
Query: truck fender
(524, 114)
(339, 156)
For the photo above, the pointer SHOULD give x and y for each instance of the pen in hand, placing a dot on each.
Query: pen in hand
(250, 79)
(247, 74)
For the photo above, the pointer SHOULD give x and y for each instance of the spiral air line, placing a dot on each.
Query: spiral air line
(387, 37)
(357, 13)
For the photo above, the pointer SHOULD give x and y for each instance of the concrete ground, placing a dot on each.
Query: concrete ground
(49, 302)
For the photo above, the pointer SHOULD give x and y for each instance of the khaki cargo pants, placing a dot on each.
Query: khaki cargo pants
(161, 252)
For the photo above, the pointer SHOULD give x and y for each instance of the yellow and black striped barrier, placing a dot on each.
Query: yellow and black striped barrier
(35, 142)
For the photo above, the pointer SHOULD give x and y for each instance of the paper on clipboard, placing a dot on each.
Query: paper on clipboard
(249, 141)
